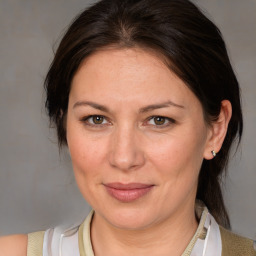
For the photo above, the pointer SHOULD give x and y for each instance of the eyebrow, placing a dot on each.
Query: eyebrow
(161, 105)
(91, 104)
(141, 110)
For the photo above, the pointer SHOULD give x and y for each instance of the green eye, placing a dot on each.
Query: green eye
(159, 120)
(97, 119)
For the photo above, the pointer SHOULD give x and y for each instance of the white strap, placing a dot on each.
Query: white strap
(211, 244)
(61, 242)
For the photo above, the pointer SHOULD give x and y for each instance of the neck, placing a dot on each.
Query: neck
(168, 237)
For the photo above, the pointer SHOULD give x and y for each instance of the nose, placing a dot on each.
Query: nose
(126, 151)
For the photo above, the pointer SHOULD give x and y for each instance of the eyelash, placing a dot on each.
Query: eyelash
(169, 120)
(86, 122)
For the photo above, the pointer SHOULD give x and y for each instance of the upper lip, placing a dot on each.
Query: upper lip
(128, 186)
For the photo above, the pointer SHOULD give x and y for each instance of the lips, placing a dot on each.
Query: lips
(127, 192)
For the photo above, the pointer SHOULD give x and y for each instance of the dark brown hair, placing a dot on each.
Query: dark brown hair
(195, 51)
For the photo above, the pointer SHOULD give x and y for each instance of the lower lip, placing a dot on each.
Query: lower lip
(128, 195)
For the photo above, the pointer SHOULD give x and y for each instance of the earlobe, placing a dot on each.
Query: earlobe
(218, 130)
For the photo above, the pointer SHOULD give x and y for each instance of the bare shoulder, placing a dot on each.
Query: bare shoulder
(14, 245)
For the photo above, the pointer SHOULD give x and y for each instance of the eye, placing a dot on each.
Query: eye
(95, 120)
(160, 121)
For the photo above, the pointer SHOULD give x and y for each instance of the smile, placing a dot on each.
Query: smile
(127, 192)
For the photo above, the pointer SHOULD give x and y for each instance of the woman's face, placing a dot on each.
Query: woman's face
(137, 138)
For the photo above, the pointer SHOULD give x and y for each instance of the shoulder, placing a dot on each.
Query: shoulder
(14, 245)
(235, 245)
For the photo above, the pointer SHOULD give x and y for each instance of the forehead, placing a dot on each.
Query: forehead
(130, 75)
(126, 62)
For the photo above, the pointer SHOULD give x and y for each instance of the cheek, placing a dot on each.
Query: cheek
(179, 155)
(87, 154)
(87, 158)
(177, 161)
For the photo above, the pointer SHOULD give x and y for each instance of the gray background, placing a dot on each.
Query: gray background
(37, 187)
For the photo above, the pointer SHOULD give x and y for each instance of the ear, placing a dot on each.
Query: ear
(218, 130)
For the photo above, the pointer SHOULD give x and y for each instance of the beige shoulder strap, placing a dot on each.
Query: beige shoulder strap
(235, 245)
(81, 240)
(35, 244)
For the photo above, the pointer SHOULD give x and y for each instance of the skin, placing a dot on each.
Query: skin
(14, 245)
(129, 146)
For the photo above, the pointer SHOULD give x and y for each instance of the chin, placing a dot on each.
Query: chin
(129, 219)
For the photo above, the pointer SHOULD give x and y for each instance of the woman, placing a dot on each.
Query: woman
(143, 94)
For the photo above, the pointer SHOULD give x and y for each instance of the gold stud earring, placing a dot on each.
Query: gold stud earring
(213, 153)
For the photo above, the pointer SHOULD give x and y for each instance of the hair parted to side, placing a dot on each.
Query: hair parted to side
(191, 44)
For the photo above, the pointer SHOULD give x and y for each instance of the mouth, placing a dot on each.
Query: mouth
(127, 192)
